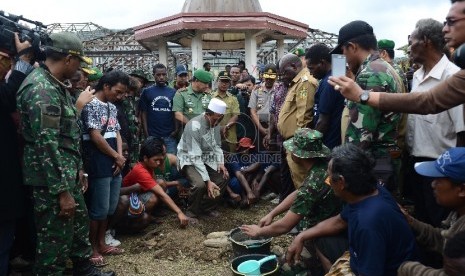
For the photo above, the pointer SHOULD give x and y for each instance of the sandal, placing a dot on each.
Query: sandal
(111, 250)
(98, 261)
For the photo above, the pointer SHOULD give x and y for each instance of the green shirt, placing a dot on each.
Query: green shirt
(190, 103)
(369, 127)
(50, 129)
(315, 199)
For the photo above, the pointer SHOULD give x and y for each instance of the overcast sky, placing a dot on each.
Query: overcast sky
(392, 19)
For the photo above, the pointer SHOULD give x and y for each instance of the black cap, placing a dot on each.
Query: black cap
(350, 31)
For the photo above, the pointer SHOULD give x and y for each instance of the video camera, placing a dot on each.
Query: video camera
(9, 25)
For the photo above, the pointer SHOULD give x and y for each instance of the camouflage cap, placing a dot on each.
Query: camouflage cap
(223, 75)
(299, 52)
(149, 77)
(307, 143)
(139, 73)
(203, 76)
(386, 44)
(96, 76)
(68, 43)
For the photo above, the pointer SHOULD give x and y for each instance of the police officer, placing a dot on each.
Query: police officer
(192, 101)
(52, 160)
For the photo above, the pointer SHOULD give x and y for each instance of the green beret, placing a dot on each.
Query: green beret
(94, 77)
(299, 52)
(203, 76)
(386, 44)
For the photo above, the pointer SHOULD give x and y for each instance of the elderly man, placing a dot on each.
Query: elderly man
(449, 186)
(380, 239)
(52, 160)
(370, 128)
(430, 135)
(297, 110)
(192, 101)
(201, 160)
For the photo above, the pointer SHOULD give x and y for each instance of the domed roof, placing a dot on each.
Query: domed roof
(222, 6)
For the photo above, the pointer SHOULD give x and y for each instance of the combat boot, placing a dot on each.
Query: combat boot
(84, 267)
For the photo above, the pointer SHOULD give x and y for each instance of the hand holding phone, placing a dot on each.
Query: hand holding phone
(338, 65)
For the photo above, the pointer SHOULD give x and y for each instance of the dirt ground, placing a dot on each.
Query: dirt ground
(165, 249)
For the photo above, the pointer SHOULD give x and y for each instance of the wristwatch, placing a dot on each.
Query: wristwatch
(364, 97)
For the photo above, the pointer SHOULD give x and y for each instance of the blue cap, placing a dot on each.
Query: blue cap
(450, 164)
(181, 69)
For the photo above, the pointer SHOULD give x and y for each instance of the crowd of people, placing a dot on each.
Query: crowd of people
(89, 153)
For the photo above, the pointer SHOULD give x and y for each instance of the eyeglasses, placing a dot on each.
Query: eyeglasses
(451, 22)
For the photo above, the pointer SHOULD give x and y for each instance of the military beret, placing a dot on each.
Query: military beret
(203, 76)
(386, 44)
(96, 76)
(299, 52)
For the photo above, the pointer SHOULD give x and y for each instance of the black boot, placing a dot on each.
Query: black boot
(84, 267)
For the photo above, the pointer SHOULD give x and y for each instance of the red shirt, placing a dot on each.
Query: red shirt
(140, 175)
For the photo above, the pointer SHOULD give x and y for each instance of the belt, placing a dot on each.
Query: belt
(107, 135)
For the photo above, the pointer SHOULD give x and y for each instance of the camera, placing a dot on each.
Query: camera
(10, 24)
(459, 56)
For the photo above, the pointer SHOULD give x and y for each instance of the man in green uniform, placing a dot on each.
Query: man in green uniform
(386, 52)
(129, 106)
(314, 201)
(52, 161)
(192, 101)
(370, 128)
(228, 123)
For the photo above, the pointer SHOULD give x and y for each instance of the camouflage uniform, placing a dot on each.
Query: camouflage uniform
(374, 129)
(51, 164)
(129, 105)
(315, 200)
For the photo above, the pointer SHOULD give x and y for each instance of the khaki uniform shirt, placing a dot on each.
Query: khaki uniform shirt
(297, 110)
(232, 109)
(190, 103)
(260, 100)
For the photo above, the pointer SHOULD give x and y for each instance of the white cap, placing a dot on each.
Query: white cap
(217, 106)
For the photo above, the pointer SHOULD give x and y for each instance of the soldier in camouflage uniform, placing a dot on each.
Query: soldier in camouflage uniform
(192, 101)
(314, 201)
(129, 106)
(370, 128)
(52, 160)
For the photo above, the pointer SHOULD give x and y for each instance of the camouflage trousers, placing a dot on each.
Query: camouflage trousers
(59, 239)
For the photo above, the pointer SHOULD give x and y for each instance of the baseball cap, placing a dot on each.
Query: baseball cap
(181, 69)
(68, 43)
(350, 31)
(450, 164)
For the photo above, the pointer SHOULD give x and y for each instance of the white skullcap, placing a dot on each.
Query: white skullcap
(217, 106)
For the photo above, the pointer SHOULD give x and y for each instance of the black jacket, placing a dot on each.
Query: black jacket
(11, 185)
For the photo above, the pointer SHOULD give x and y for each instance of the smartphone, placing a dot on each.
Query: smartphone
(338, 65)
